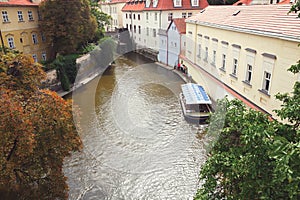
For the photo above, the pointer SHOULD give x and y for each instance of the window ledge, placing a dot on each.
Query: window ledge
(213, 64)
(222, 69)
(233, 76)
(264, 92)
(21, 21)
(205, 60)
(6, 22)
(247, 83)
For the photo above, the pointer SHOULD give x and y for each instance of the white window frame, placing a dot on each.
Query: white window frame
(266, 82)
(223, 61)
(234, 66)
(155, 17)
(195, 2)
(249, 72)
(154, 32)
(30, 15)
(20, 16)
(147, 31)
(189, 14)
(10, 42)
(34, 56)
(44, 56)
(177, 3)
(5, 16)
(34, 38)
(170, 16)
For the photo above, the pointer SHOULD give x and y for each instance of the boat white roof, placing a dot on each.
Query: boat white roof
(195, 94)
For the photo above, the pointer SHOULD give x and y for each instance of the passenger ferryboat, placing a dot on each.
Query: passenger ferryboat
(195, 103)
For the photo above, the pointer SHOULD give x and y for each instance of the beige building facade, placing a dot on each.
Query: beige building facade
(244, 56)
(113, 8)
(20, 29)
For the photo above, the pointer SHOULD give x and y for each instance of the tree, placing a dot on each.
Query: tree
(102, 18)
(67, 24)
(37, 133)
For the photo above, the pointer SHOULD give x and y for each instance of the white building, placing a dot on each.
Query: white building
(244, 52)
(172, 42)
(144, 19)
(113, 8)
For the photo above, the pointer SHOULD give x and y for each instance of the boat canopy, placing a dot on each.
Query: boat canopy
(195, 94)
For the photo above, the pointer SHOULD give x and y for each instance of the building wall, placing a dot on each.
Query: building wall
(151, 22)
(114, 10)
(162, 56)
(173, 45)
(22, 31)
(265, 54)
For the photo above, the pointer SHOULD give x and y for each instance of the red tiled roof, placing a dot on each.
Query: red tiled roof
(186, 5)
(285, 2)
(242, 2)
(134, 6)
(163, 5)
(180, 25)
(18, 3)
(270, 20)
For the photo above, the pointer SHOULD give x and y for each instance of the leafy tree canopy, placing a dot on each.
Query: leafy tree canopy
(67, 24)
(37, 133)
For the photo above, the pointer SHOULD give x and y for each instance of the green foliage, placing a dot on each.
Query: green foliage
(102, 18)
(88, 48)
(67, 25)
(253, 158)
(296, 8)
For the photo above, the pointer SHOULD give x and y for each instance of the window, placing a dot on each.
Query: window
(126, 16)
(183, 15)
(20, 16)
(130, 27)
(133, 16)
(30, 16)
(177, 3)
(266, 82)
(214, 57)
(129, 16)
(139, 29)
(44, 57)
(134, 28)
(5, 16)
(175, 44)
(127, 26)
(34, 57)
(170, 16)
(39, 15)
(154, 32)
(206, 54)
(147, 16)
(189, 14)
(139, 17)
(248, 73)
(155, 17)
(195, 2)
(147, 31)
(11, 43)
(234, 68)
(223, 61)
(34, 38)
(199, 50)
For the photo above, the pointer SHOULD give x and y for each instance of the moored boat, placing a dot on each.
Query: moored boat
(195, 103)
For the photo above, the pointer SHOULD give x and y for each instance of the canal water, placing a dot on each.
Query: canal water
(137, 144)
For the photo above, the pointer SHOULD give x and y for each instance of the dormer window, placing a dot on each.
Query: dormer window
(177, 3)
(155, 2)
(148, 3)
(195, 2)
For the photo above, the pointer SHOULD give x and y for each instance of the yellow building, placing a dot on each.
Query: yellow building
(244, 52)
(20, 29)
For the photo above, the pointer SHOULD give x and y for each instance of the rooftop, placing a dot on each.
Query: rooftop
(17, 3)
(135, 5)
(267, 20)
(180, 25)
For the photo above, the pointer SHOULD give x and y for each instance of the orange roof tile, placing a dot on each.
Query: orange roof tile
(186, 5)
(18, 3)
(180, 25)
(134, 5)
(242, 2)
(269, 20)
